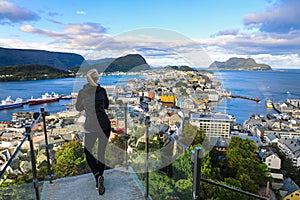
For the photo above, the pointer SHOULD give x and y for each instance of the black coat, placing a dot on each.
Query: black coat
(94, 100)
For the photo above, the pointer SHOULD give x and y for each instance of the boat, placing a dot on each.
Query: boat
(9, 103)
(46, 98)
(269, 103)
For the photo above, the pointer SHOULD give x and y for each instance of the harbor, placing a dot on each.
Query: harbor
(8, 103)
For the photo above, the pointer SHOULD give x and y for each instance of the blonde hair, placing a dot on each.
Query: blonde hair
(92, 77)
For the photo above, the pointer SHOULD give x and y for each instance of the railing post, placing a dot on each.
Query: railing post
(147, 124)
(197, 173)
(34, 171)
(126, 136)
(44, 114)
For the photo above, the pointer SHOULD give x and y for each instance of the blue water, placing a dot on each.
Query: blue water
(28, 89)
(276, 85)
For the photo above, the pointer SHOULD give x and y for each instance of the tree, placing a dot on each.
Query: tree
(183, 167)
(70, 160)
(192, 135)
(244, 165)
(184, 188)
(161, 187)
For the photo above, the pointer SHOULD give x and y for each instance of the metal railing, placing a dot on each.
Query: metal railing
(28, 135)
(195, 155)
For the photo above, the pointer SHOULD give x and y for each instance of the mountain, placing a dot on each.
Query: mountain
(128, 63)
(59, 60)
(239, 64)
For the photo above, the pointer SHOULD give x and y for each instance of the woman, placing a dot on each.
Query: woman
(92, 99)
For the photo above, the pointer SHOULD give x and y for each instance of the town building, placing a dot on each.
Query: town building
(214, 125)
(291, 148)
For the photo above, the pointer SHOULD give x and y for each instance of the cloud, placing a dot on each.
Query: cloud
(11, 13)
(163, 47)
(274, 32)
(53, 14)
(92, 40)
(228, 32)
(80, 12)
(281, 17)
(55, 22)
(70, 32)
(265, 47)
(257, 43)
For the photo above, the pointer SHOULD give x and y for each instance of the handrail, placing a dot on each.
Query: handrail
(232, 189)
(18, 148)
(13, 156)
(197, 166)
(28, 135)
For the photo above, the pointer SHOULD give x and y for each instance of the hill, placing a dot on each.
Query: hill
(239, 64)
(181, 68)
(59, 60)
(128, 63)
(32, 72)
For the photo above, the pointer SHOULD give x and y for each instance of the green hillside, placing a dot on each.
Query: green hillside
(59, 60)
(128, 63)
(31, 72)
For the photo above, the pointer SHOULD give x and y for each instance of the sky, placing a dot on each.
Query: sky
(164, 32)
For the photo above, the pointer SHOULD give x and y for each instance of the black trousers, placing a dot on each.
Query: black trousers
(96, 164)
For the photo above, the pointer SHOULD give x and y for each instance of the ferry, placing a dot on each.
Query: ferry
(9, 103)
(46, 98)
(269, 103)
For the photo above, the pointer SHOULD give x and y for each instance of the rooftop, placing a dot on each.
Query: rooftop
(211, 117)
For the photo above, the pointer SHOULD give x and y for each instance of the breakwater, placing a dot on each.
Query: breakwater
(244, 97)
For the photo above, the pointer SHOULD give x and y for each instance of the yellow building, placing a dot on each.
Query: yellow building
(294, 196)
(168, 99)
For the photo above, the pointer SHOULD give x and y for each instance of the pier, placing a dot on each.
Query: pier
(244, 97)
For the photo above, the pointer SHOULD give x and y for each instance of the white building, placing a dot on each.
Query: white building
(214, 125)
(273, 163)
(212, 95)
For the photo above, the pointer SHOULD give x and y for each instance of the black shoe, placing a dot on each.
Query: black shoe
(101, 188)
(97, 177)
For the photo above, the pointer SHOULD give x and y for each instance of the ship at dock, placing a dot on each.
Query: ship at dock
(9, 103)
(46, 98)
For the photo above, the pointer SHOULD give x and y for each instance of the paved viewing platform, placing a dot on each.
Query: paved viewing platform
(119, 184)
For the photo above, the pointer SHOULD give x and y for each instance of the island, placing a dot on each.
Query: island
(238, 64)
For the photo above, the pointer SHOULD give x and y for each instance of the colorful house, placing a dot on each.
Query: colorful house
(293, 196)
